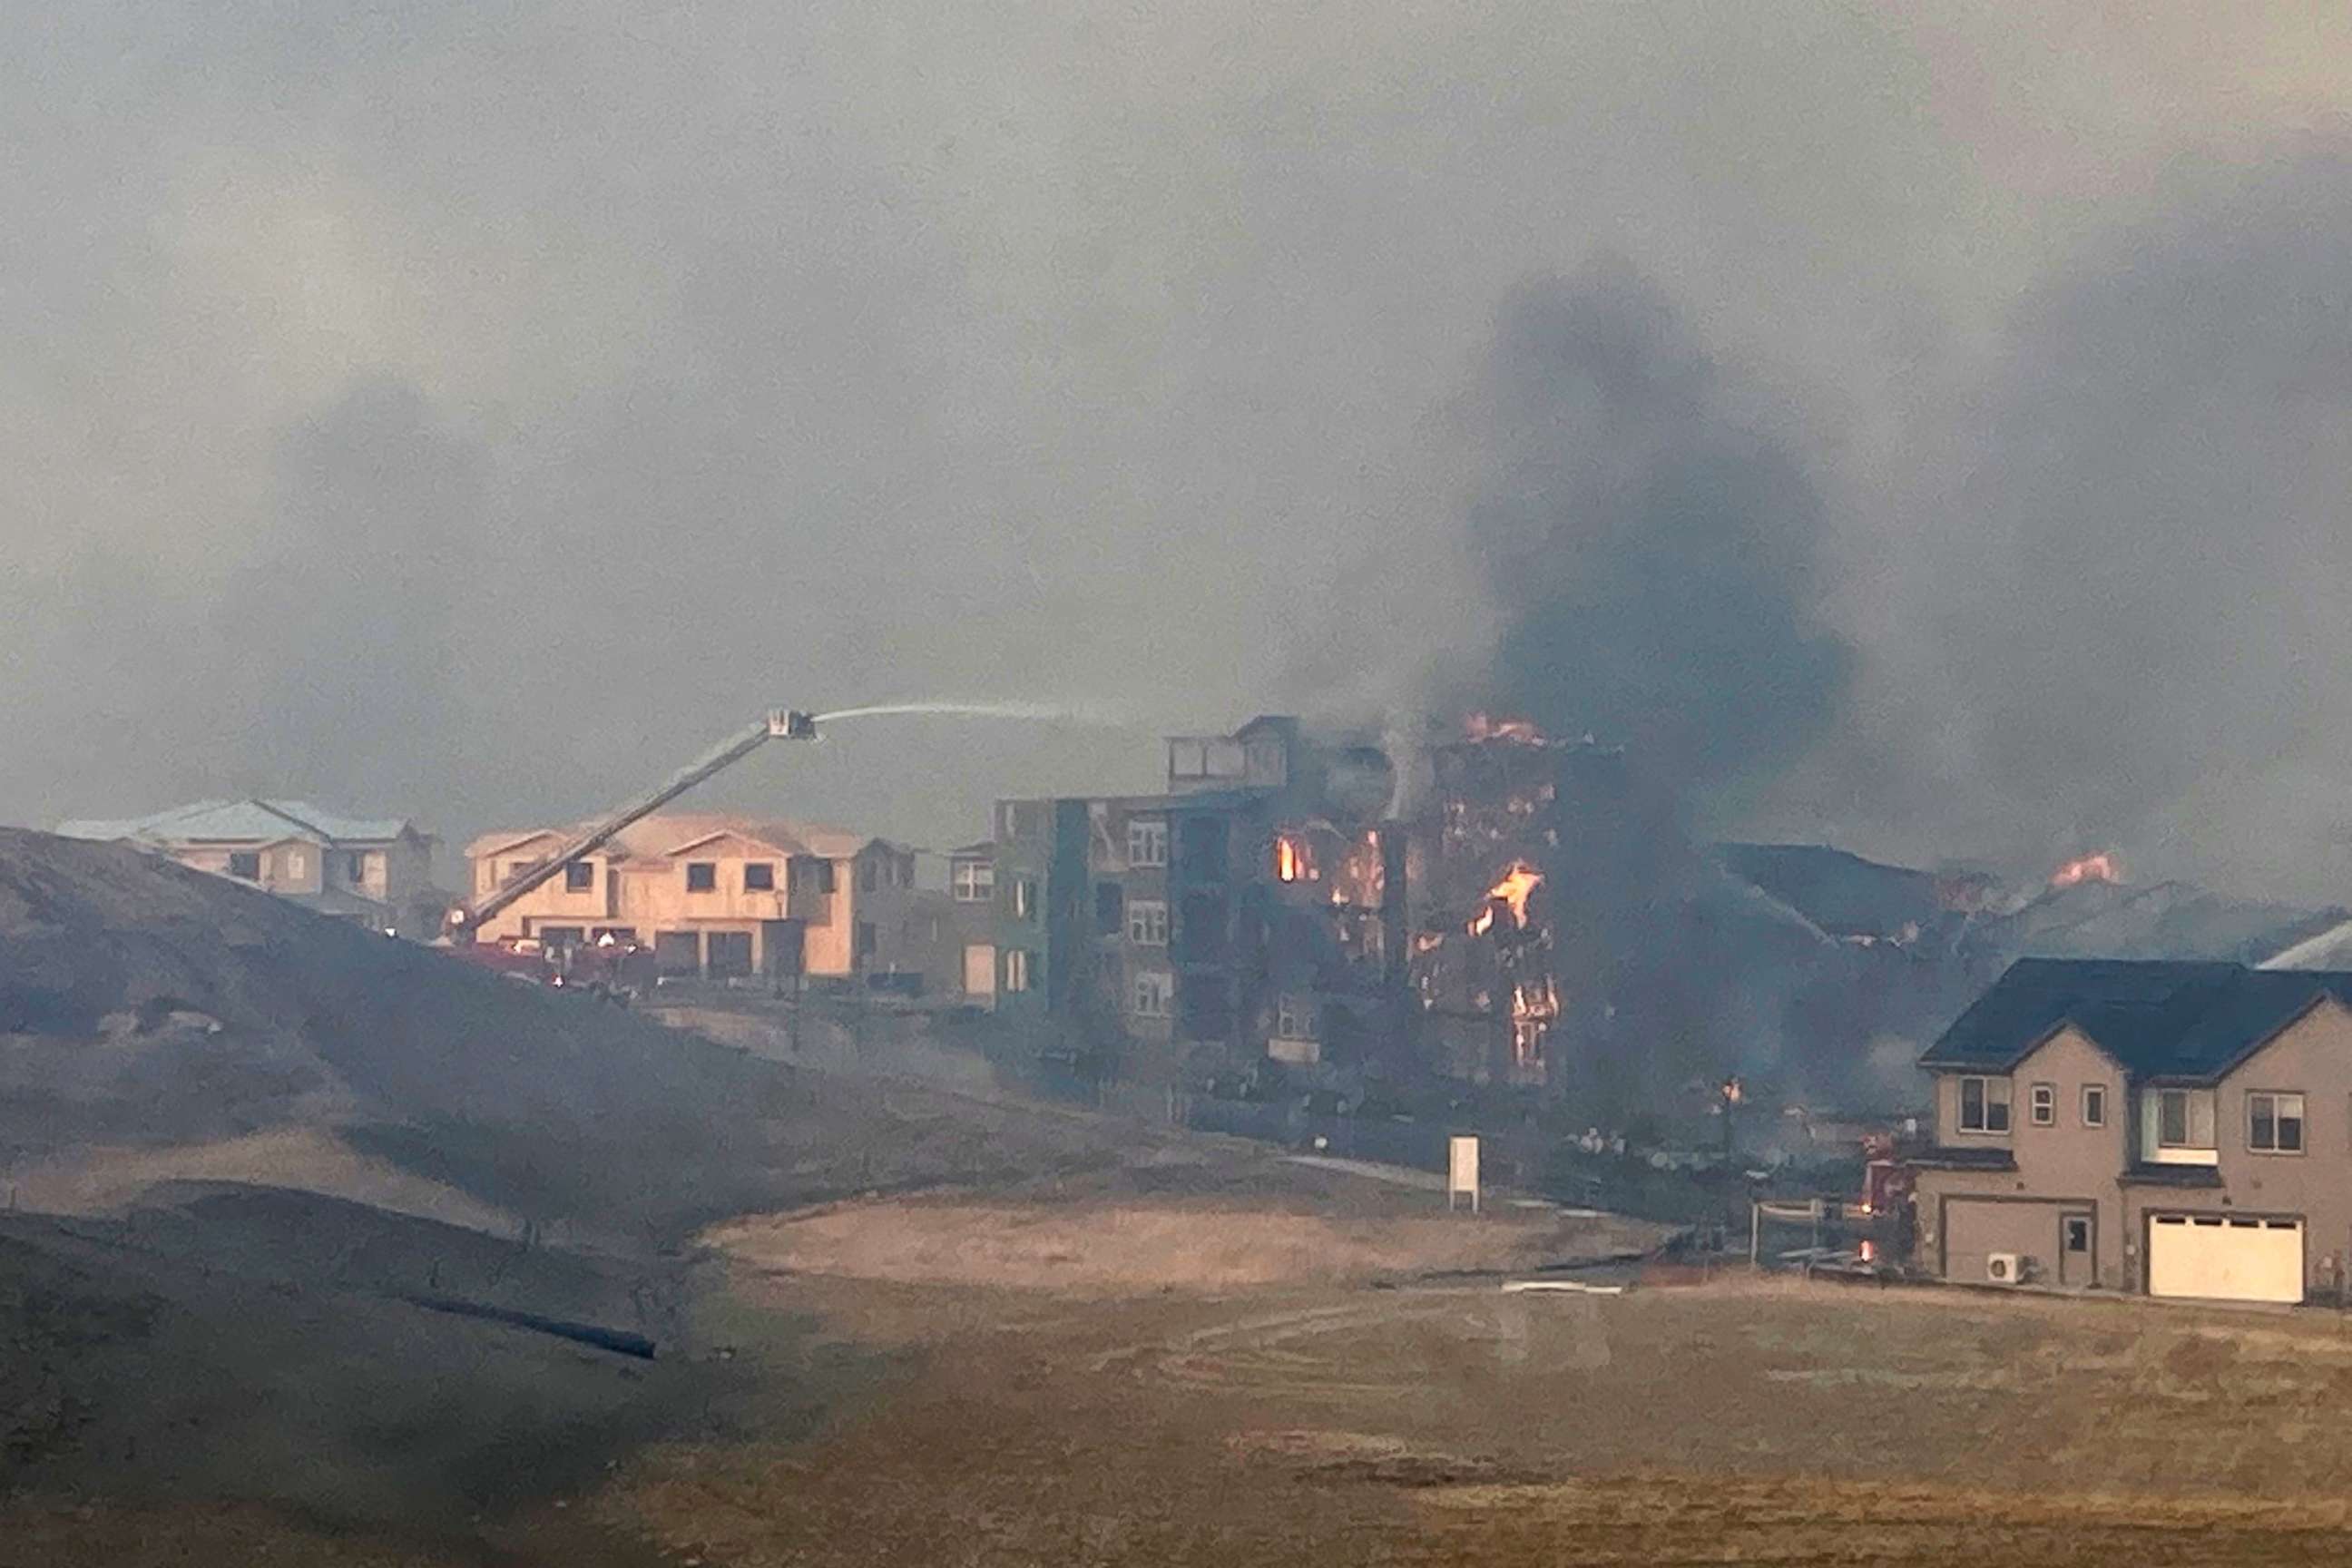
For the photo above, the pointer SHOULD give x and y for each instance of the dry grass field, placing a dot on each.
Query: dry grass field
(1339, 1412)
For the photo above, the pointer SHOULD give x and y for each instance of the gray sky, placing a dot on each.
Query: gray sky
(472, 409)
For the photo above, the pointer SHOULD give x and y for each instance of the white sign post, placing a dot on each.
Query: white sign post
(1462, 1172)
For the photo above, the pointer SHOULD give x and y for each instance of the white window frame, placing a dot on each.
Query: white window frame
(1146, 841)
(2276, 1100)
(1024, 898)
(2041, 1104)
(1294, 1016)
(2094, 1094)
(1987, 1102)
(1147, 923)
(1152, 994)
(974, 881)
(1016, 969)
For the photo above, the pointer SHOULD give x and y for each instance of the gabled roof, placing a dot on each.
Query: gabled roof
(2188, 1019)
(666, 834)
(1836, 890)
(252, 821)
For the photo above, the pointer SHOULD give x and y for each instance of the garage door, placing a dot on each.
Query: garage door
(2225, 1257)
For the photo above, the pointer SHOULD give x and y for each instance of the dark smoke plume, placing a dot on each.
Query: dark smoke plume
(2134, 623)
(1657, 566)
(1655, 563)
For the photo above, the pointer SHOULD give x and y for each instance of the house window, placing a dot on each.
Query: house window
(1024, 898)
(297, 863)
(1984, 1105)
(579, 876)
(1147, 923)
(759, 877)
(245, 865)
(2095, 1105)
(354, 869)
(2043, 1103)
(2274, 1123)
(1293, 1017)
(2078, 1232)
(1111, 908)
(973, 882)
(702, 877)
(1016, 969)
(2184, 1119)
(814, 875)
(867, 871)
(1155, 991)
(1146, 843)
(865, 941)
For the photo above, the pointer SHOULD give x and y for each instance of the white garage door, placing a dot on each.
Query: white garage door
(2225, 1257)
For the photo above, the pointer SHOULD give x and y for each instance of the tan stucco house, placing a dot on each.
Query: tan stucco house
(375, 870)
(2172, 1129)
(722, 896)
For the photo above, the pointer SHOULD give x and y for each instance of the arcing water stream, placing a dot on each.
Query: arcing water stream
(1041, 712)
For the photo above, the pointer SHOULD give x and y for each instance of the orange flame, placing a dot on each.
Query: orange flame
(2099, 867)
(1289, 865)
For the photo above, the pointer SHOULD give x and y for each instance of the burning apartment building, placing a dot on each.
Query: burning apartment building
(1303, 900)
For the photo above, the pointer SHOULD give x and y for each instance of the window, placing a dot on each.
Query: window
(2184, 1119)
(759, 877)
(2043, 1103)
(2274, 1123)
(354, 868)
(1205, 848)
(2077, 1232)
(1984, 1105)
(245, 865)
(1111, 908)
(702, 877)
(1147, 923)
(1154, 994)
(865, 943)
(1146, 843)
(2095, 1105)
(973, 882)
(867, 871)
(813, 876)
(297, 863)
(1016, 969)
(1293, 1017)
(826, 882)
(579, 876)
(1024, 898)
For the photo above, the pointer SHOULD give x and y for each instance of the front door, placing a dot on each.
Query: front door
(2078, 1256)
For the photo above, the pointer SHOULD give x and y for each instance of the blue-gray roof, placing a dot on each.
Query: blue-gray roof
(2187, 1019)
(240, 822)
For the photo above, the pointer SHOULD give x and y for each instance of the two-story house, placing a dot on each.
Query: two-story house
(377, 872)
(2176, 1129)
(720, 896)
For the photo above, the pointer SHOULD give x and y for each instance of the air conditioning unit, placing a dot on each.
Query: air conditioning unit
(2002, 1268)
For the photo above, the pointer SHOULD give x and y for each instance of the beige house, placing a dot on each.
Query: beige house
(2173, 1129)
(722, 896)
(375, 870)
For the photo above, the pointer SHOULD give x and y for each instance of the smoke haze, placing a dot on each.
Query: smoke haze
(472, 411)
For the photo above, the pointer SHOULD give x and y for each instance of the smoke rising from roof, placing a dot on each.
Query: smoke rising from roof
(841, 353)
(1655, 563)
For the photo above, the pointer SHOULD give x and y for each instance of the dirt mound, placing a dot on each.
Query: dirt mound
(144, 1004)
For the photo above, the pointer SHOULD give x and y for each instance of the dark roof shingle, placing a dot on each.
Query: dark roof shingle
(2159, 1018)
